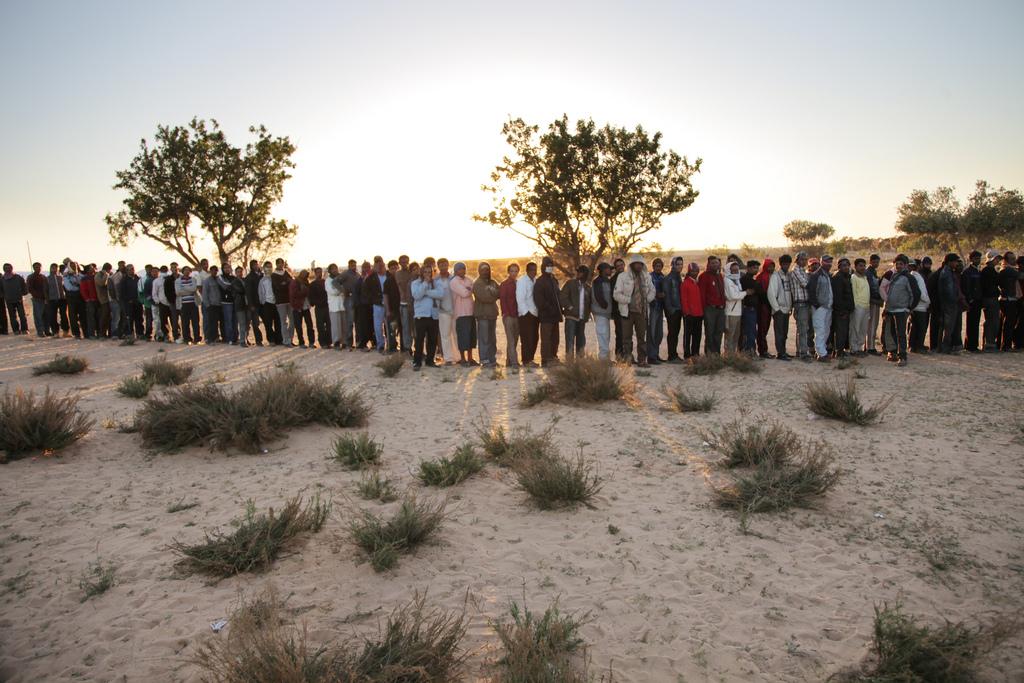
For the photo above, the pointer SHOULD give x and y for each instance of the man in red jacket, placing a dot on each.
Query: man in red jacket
(510, 314)
(693, 312)
(712, 293)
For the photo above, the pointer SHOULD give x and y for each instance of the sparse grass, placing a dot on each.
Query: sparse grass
(706, 364)
(613, 530)
(686, 402)
(62, 365)
(741, 363)
(135, 387)
(384, 539)
(905, 651)
(450, 471)
(771, 486)
(832, 400)
(541, 649)
(847, 362)
(181, 506)
(127, 341)
(415, 645)
(755, 443)
(554, 481)
(507, 448)
(375, 485)
(584, 379)
(47, 423)
(159, 370)
(538, 394)
(356, 451)
(97, 579)
(257, 412)
(257, 541)
(391, 364)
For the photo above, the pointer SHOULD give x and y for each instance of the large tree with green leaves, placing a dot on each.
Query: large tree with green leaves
(991, 217)
(191, 185)
(584, 193)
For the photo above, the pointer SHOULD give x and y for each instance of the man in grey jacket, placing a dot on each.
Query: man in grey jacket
(819, 295)
(780, 299)
(672, 302)
(902, 297)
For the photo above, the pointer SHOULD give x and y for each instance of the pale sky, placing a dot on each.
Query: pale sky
(820, 110)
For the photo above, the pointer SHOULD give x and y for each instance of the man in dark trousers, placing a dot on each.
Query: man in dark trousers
(931, 280)
(951, 303)
(990, 300)
(549, 311)
(618, 266)
(1009, 286)
(842, 308)
(970, 285)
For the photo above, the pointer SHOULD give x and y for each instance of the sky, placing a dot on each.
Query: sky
(818, 110)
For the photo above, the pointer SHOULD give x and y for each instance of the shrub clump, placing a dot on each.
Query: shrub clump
(830, 399)
(509, 447)
(450, 471)
(384, 539)
(257, 541)
(774, 486)
(686, 402)
(904, 651)
(159, 370)
(135, 387)
(741, 363)
(415, 645)
(375, 485)
(706, 364)
(541, 649)
(755, 443)
(356, 452)
(584, 379)
(555, 481)
(47, 423)
(62, 365)
(97, 579)
(391, 365)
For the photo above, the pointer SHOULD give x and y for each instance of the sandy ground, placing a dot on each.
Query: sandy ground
(679, 594)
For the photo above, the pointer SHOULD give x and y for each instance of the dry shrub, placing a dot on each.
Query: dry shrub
(48, 423)
(135, 387)
(450, 471)
(780, 486)
(391, 364)
(832, 400)
(257, 541)
(375, 485)
(707, 364)
(686, 402)
(159, 370)
(356, 452)
(97, 579)
(904, 651)
(754, 443)
(61, 365)
(544, 649)
(384, 539)
(554, 481)
(741, 362)
(415, 645)
(258, 412)
(507, 448)
(584, 379)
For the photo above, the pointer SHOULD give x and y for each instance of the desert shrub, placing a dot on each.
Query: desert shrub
(257, 541)
(180, 505)
(773, 486)
(97, 579)
(540, 649)
(830, 399)
(755, 443)
(375, 485)
(741, 362)
(905, 651)
(135, 387)
(384, 539)
(450, 471)
(159, 370)
(686, 402)
(508, 447)
(62, 365)
(415, 645)
(47, 423)
(706, 364)
(538, 394)
(584, 379)
(179, 417)
(555, 481)
(391, 364)
(356, 452)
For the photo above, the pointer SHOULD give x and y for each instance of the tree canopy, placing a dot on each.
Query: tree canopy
(806, 233)
(584, 193)
(991, 217)
(191, 184)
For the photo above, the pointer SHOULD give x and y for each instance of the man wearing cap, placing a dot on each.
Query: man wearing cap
(549, 311)
(801, 308)
(634, 292)
(970, 285)
(819, 295)
(990, 300)
(711, 284)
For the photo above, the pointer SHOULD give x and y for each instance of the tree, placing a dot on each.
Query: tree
(991, 216)
(800, 232)
(192, 184)
(583, 194)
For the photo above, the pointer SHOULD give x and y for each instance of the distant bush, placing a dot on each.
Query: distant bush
(540, 649)
(135, 387)
(159, 370)
(686, 402)
(450, 471)
(47, 423)
(584, 379)
(831, 400)
(356, 452)
(555, 481)
(257, 541)
(62, 365)
(384, 539)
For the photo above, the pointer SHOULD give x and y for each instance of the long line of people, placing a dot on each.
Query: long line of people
(438, 314)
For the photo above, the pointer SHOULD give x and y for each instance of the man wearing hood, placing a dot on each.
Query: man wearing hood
(819, 295)
(990, 300)
(549, 311)
(671, 289)
(602, 306)
(711, 284)
(780, 300)
(764, 309)
(634, 292)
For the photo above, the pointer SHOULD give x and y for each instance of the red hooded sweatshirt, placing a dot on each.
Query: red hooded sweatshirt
(762, 279)
(689, 293)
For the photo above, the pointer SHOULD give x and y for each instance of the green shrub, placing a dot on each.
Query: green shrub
(356, 452)
(61, 365)
(257, 541)
(829, 399)
(373, 485)
(135, 387)
(506, 448)
(772, 486)
(159, 370)
(584, 379)
(97, 579)
(384, 539)
(450, 471)
(179, 417)
(555, 481)
(686, 402)
(544, 649)
(754, 443)
(29, 424)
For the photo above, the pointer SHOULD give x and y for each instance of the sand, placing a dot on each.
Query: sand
(680, 593)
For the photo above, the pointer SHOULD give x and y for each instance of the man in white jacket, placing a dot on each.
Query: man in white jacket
(780, 300)
(919, 316)
(529, 322)
(734, 294)
(634, 291)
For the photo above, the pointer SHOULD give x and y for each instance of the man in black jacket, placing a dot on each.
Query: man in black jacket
(1009, 278)
(970, 285)
(673, 305)
(931, 281)
(252, 301)
(170, 311)
(549, 311)
(990, 300)
(951, 303)
(842, 308)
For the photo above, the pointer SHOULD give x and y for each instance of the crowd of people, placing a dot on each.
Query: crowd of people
(438, 313)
